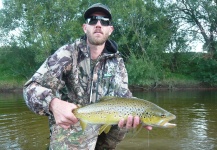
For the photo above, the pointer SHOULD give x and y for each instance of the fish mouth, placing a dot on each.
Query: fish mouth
(167, 124)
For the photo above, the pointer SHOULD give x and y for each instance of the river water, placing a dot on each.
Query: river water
(196, 113)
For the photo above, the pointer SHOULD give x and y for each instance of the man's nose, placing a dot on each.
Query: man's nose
(98, 23)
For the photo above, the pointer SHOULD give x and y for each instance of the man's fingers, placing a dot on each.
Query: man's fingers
(129, 122)
(71, 116)
(72, 119)
(121, 123)
(62, 112)
(136, 121)
(64, 126)
(148, 127)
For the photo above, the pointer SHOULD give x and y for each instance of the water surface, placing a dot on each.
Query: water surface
(196, 122)
(196, 113)
(21, 129)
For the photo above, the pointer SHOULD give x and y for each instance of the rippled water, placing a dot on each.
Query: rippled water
(196, 121)
(21, 129)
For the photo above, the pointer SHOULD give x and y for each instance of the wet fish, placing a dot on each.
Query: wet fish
(110, 110)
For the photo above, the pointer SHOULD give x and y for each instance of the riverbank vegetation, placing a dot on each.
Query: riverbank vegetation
(157, 39)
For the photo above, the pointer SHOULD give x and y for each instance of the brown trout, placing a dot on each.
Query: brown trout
(110, 110)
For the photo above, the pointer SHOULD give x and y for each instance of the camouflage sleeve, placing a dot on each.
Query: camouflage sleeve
(110, 140)
(121, 80)
(46, 82)
(116, 135)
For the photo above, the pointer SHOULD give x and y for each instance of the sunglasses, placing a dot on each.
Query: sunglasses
(94, 19)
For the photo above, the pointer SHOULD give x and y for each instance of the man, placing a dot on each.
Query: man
(79, 74)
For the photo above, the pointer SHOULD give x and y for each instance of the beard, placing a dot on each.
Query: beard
(96, 40)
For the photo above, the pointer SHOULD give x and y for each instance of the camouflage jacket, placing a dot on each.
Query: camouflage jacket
(69, 74)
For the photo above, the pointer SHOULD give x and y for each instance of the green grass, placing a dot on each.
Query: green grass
(171, 81)
(11, 83)
(178, 79)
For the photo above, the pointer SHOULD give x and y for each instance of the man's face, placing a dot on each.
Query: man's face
(97, 34)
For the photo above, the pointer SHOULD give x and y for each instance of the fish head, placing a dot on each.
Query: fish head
(158, 118)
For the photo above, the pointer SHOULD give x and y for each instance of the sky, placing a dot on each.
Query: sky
(0, 4)
(196, 47)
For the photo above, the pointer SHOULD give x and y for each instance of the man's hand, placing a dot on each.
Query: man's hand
(62, 112)
(132, 122)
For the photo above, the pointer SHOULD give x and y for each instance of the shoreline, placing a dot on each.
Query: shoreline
(173, 88)
(17, 89)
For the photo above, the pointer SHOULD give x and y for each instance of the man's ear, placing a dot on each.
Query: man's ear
(111, 30)
(84, 28)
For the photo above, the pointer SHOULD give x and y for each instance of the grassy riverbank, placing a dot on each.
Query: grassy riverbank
(173, 83)
(11, 84)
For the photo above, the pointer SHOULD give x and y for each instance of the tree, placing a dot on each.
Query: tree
(144, 32)
(44, 26)
(142, 27)
(198, 19)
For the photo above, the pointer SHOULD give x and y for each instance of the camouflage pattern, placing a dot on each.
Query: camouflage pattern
(74, 138)
(69, 74)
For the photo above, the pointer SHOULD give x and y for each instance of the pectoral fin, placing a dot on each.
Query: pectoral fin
(104, 128)
(83, 125)
(107, 129)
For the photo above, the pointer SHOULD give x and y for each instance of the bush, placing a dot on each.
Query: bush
(140, 71)
(205, 71)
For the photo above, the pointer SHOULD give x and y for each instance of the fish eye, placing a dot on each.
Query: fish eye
(163, 116)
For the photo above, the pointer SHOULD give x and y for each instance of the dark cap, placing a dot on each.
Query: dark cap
(98, 7)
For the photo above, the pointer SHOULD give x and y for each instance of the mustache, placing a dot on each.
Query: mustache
(98, 31)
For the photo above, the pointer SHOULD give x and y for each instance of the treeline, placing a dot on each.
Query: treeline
(154, 36)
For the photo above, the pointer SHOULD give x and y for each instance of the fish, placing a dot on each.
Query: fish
(110, 110)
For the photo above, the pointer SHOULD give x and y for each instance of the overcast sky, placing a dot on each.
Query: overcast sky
(0, 4)
(196, 46)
